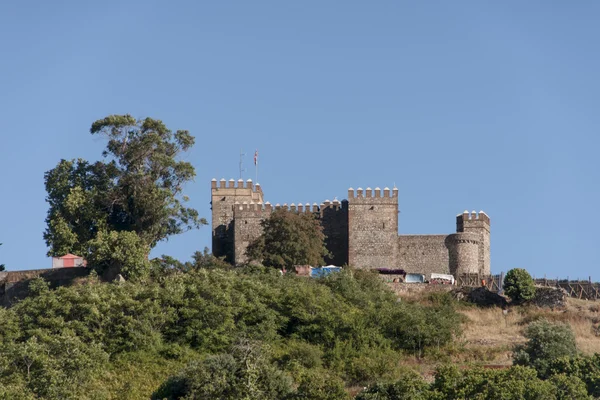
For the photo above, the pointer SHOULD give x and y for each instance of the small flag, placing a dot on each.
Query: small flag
(256, 157)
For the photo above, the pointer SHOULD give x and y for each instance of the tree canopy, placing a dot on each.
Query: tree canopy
(136, 188)
(518, 285)
(289, 239)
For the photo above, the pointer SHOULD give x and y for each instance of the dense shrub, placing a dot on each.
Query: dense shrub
(410, 386)
(546, 342)
(585, 368)
(315, 384)
(451, 383)
(245, 373)
(348, 326)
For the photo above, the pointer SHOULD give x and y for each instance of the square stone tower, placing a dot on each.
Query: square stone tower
(373, 228)
(223, 198)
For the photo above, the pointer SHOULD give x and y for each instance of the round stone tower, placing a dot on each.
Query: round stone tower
(463, 252)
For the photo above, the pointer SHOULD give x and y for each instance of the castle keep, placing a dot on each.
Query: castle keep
(361, 231)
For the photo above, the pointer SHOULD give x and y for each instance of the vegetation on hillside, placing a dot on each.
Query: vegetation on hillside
(203, 331)
(347, 329)
(546, 342)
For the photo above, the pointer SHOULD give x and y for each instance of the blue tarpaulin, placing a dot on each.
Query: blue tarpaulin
(415, 278)
(320, 272)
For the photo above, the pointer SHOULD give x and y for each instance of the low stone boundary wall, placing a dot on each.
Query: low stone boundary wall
(14, 285)
(401, 288)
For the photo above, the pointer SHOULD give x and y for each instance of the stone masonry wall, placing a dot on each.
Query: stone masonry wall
(14, 285)
(247, 228)
(224, 195)
(423, 254)
(372, 228)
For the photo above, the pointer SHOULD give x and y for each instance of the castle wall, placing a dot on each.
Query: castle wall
(334, 219)
(246, 227)
(423, 254)
(14, 285)
(372, 228)
(361, 231)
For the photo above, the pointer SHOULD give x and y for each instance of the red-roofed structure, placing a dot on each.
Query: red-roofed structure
(68, 261)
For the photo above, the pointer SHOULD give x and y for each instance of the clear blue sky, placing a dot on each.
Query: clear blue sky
(463, 105)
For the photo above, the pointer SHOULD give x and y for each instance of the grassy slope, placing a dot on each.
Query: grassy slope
(489, 328)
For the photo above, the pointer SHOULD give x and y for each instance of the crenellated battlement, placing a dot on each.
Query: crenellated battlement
(369, 193)
(373, 196)
(245, 206)
(473, 216)
(471, 220)
(479, 224)
(233, 184)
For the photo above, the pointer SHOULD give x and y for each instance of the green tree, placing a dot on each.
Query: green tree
(200, 259)
(289, 239)
(122, 252)
(245, 373)
(410, 386)
(315, 384)
(518, 285)
(569, 387)
(2, 267)
(137, 188)
(546, 342)
(586, 368)
(515, 383)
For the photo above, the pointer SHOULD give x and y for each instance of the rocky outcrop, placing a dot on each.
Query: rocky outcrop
(549, 297)
(480, 296)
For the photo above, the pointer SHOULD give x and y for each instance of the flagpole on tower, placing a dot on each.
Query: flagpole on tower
(256, 165)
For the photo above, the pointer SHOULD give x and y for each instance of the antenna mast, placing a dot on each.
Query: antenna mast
(242, 154)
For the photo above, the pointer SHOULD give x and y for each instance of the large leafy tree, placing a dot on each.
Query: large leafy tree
(289, 239)
(136, 188)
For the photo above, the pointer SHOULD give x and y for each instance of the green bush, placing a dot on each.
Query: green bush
(348, 326)
(410, 386)
(516, 383)
(585, 368)
(546, 342)
(244, 373)
(569, 387)
(318, 384)
(518, 285)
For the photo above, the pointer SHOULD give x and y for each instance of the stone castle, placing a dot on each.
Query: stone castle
(361, 231)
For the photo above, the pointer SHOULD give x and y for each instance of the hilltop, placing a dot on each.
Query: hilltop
(199, 331)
